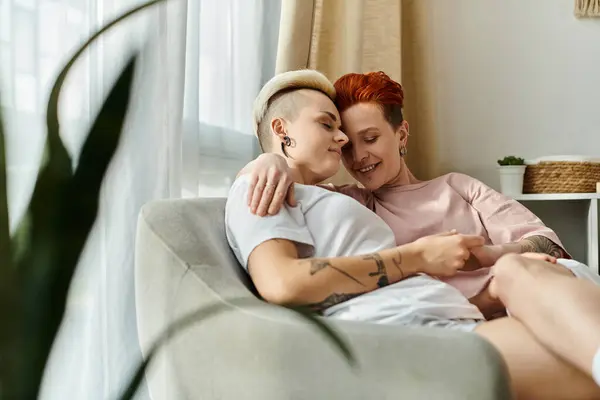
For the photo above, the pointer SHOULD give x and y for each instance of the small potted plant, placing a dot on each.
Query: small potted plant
(512, 170)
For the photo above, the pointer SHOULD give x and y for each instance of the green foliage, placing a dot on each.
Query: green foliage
(511, 160)
(38, 262)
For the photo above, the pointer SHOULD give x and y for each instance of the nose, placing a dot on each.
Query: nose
(341, 138)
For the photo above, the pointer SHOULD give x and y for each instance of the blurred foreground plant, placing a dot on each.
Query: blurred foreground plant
(38, 262)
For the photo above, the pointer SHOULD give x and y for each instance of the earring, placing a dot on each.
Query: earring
(403, 151)
(286, 142)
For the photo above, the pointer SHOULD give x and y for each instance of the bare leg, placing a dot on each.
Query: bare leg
(561, 311)
(536, 373)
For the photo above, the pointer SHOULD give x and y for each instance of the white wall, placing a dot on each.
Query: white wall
(515, 77)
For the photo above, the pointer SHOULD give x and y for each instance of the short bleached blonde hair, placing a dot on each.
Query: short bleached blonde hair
(276, 98)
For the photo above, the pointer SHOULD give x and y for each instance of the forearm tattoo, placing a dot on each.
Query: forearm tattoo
(541, 244)
(381, 272)
(332, 300)
(317, 265)
(397, 263)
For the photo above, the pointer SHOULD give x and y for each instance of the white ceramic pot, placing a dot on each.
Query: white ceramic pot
(511, 178)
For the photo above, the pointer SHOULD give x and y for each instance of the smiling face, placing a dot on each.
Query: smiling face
(314, 131)
(372, 154)
(371, 108)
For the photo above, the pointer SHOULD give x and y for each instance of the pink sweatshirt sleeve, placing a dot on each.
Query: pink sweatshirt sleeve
(505, 219)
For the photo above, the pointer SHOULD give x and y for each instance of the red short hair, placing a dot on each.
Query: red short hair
(372, 87)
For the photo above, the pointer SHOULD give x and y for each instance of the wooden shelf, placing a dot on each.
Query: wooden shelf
(592, 229)
(556, 196)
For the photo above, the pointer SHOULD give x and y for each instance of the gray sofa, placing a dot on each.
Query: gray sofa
(183, 262)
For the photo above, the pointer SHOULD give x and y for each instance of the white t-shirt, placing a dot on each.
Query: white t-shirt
(329, 224)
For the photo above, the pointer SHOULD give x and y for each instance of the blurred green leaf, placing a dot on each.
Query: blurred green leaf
(5, 251)
(21, 239)
(61, 165)
(49, 277)
(207, 312)
(95, 157)
(47, 243)
(9, 318)
(329, 333)
(54, 143)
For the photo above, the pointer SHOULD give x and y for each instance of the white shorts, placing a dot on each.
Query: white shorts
(464, 325)
(580, 270)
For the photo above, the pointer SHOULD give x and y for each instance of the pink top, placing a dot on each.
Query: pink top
(453, 201)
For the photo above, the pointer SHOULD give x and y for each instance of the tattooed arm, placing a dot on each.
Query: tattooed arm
(282, 278)
(541, 244)
(486, 256)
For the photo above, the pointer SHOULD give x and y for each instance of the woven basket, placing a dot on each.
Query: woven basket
(561, 177)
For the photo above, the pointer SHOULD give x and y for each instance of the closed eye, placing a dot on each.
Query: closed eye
(327, 126)
(371, 139)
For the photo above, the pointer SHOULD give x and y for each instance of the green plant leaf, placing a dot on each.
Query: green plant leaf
(511, 160)
(9, 294)
(54, 149)
(52, 110)
(39, 288)
(329, 333)
(95, 157)
(63, 240)
(5, 250)
(207, 312)
(54, 143)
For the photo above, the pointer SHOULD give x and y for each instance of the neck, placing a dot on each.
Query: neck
(404, 177)
(297, 176)
(301, 175)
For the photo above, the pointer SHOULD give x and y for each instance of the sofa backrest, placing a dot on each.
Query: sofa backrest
(194, 229)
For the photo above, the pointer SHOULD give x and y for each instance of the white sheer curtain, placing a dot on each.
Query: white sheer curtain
(203, 60)
(230, 54)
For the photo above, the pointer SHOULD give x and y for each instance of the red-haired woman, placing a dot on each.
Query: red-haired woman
(370, 107)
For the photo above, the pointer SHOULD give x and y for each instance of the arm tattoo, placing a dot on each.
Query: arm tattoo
(541, 244)
(332, 300)
(381, 272)
(317, 265)
(397, 262)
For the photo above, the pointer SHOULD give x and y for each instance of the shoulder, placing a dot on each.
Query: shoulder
(463, 182)
(240, 184)
(465, 186)
(459, 178)
(359, 194)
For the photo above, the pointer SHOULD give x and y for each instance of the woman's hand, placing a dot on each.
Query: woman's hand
(486, 256)
(270, 184)
(512, 266)
(540, 256)
(490, 306)
(443, 255)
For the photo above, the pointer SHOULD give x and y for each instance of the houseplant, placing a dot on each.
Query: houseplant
(38, 262)
(512, 171)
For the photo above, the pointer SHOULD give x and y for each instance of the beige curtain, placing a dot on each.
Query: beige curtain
(341, 36)
(419, 104)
